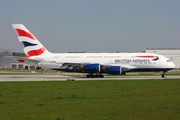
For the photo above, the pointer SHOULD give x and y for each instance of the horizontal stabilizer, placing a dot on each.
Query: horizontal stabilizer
(25, 60)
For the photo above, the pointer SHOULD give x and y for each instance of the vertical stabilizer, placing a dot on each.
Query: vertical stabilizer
(31, 45)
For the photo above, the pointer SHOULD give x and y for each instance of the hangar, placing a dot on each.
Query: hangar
(171, 53)
(9, 63)
(4, 61)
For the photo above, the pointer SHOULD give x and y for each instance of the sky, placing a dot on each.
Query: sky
(93, 25)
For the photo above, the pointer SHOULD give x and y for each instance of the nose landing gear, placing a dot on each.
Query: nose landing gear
(163, 74)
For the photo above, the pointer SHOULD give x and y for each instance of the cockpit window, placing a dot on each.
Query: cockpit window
(168, 60)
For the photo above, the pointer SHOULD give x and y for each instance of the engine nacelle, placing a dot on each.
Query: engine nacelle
(92, 68)
(113, 70)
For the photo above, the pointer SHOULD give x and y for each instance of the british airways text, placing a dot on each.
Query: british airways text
(146, 61)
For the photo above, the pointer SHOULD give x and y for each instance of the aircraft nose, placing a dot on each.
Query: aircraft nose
(172, 65)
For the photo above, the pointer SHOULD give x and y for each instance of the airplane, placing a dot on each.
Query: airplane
(91, 64)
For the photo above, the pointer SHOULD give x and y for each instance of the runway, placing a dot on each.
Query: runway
(11, 78)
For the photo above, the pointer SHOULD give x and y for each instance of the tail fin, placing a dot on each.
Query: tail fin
(31, 46)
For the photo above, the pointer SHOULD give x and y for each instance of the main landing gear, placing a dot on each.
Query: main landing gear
(163, 74)
(94, 76)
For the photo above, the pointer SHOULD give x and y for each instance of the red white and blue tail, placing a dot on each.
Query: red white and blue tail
(31, 46)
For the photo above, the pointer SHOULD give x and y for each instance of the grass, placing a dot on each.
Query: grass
(91, 100)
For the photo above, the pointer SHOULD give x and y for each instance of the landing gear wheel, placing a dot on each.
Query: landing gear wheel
(163, 74)
(101, 76)
(93, 76)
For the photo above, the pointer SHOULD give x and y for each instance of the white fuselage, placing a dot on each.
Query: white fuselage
(130, 60)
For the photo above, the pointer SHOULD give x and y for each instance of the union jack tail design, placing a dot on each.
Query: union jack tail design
(31, 46)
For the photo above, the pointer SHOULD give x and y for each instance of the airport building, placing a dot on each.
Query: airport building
(171, 53)
(22, 66)
(4, 61)
(9, 63)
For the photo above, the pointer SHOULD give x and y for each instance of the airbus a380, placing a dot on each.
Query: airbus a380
(93, 64)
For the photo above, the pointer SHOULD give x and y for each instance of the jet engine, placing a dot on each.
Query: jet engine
(92, 68)
(113, 70)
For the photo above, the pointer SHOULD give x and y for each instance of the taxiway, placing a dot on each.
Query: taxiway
(10, 78)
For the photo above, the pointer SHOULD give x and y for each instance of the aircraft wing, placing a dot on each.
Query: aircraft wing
(75, 67)
(126, 68)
